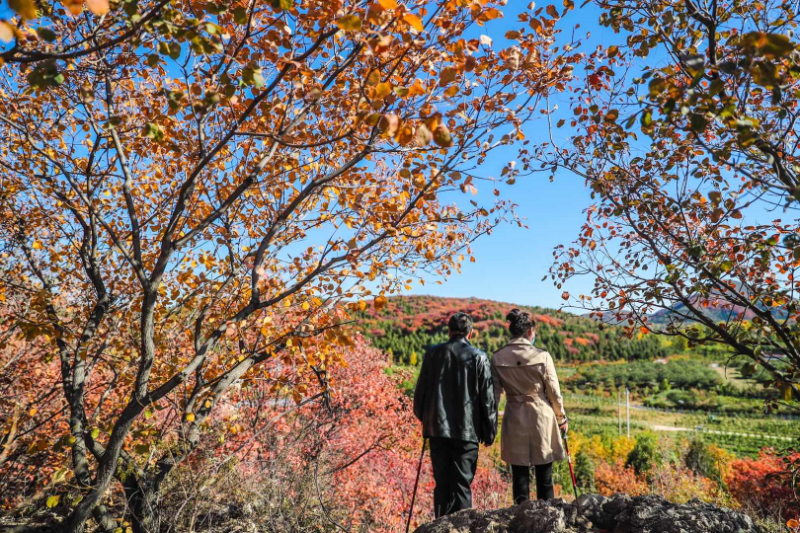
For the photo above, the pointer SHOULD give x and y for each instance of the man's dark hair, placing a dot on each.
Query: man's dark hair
(460, 325)
(519, 322)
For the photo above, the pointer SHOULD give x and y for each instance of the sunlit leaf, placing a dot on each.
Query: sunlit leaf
(413, 21)
(98, 7)
(349, 23)
(6, 32)
(26, 8)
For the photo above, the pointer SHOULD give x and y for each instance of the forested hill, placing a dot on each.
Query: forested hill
(407, 325)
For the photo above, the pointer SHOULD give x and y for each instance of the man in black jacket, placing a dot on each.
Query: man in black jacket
(454, 400)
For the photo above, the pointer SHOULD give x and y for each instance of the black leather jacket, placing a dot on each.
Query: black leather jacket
(454, 397)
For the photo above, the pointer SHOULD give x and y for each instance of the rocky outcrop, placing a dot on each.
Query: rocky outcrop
(593, 513)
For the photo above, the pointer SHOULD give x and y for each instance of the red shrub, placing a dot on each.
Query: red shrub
(764, 484)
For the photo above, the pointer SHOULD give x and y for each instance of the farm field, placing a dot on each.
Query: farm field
(741, 435)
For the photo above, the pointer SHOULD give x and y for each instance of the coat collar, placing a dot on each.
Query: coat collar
(460, 339)
(520, 340)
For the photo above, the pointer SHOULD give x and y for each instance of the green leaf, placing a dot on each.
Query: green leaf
(748, 369)
(52, 501)
(46, 34)
(45, 75)
(240, 15)
(252, 76)
(647, 118)
(349, 23)
(281, 5)
(698, 122)
(152, 131)
(657, 86)
(95, 433)
(142, 448)
(776, 45)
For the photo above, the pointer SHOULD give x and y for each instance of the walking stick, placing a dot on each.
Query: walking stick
(569, 460)
(416, 482)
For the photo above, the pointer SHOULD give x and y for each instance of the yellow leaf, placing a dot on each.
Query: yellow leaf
(383, 89)
(32, 411)
(52, 501)
(37, 245)
(26, 8)
(6, 32)
(305, 306)
(349, 23)
(190, 417)
(413, 21)
(380, 302)
(388, 4)
(98, 7)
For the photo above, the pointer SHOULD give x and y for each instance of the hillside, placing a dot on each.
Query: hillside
(409, 324)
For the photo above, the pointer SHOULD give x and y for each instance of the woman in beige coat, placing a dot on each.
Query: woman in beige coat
(534, 408)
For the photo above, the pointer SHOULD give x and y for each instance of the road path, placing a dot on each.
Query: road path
(657, 427)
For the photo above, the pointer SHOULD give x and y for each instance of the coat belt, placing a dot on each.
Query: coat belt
(521, 398)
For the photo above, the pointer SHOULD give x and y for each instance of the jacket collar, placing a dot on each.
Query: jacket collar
(520, 340)
(463, 340)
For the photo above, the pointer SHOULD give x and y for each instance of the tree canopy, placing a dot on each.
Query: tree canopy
(196, 194)
(688, 139)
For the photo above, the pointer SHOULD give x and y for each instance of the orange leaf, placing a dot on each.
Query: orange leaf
(388, 4)
(75, 7)
(413, 21)
(98, 7)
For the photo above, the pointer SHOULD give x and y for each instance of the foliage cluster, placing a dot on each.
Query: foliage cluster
(638, 375)
(409, 324)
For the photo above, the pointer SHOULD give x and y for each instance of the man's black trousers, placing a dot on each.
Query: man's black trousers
(521, 478)
(454, 463)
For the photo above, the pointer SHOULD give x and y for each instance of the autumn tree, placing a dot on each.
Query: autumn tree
(196, 195)
(688, 139)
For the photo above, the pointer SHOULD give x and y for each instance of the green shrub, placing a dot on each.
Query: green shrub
(645, 455)
(584, 472)
(701, 461)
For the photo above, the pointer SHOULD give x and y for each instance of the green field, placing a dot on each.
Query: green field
(741, 435)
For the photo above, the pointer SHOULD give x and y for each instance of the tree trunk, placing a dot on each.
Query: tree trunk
(143, 496)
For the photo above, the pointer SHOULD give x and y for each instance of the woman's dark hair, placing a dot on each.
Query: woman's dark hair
(460, 325)
(519, 322)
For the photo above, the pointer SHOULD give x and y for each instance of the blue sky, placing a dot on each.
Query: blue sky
(511, 263)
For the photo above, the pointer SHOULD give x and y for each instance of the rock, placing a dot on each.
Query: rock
(597, 514)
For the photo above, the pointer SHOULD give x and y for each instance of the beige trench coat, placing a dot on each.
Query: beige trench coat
(534, 406)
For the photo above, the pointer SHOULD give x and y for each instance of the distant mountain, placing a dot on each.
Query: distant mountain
(409, 324)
